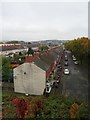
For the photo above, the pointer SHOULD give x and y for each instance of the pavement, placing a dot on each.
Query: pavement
(58, 90)
(75, 84)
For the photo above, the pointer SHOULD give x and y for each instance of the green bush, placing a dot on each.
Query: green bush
(43, 107)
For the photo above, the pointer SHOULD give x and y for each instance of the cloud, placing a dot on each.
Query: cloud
(35, 21)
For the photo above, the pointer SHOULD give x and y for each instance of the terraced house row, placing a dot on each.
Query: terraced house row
(31, 76)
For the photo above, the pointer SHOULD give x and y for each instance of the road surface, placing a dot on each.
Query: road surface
(75, 84)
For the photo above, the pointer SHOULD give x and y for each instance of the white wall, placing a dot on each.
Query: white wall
(12, 51)
(33, 82)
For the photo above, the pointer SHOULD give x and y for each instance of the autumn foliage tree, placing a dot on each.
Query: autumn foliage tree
(80, 48)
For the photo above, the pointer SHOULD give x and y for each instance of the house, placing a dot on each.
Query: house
(31, 76)
(6, 47)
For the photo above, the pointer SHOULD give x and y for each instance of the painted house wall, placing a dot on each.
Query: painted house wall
(33, 82)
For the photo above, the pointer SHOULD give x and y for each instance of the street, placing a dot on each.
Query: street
(76, 83)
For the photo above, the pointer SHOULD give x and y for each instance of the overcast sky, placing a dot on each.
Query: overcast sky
(39, 21)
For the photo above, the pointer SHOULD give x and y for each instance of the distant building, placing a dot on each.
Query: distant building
(10, 46)
(31, 76)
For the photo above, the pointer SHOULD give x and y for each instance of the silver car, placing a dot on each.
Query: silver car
(66, 71)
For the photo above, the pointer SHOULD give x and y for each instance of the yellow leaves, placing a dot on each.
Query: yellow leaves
(80, 43)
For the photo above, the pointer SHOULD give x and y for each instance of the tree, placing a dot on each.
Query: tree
(29, 42)
(6, 70)
(42, 48)
(80, 48)
(14, 42)
(30, 51)
(1, 42)
(20, 53)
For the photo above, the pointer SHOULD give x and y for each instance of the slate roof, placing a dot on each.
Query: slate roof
(45, 61)
(47, 58)
(52, 53)
(40, 63)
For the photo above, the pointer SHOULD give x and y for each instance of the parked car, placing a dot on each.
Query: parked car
(66, 63)
(52, 83)
(48, 84)
(66, 59)
(76, 62)
(74, 59)
(66, 71)
(48, 89)
(58, 81)
(60, 67)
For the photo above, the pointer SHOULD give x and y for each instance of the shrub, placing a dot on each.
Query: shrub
(42, 107)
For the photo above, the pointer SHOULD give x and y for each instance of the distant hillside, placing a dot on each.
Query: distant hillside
(50, 41)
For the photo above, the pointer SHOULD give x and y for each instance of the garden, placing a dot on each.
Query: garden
(20, 106)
